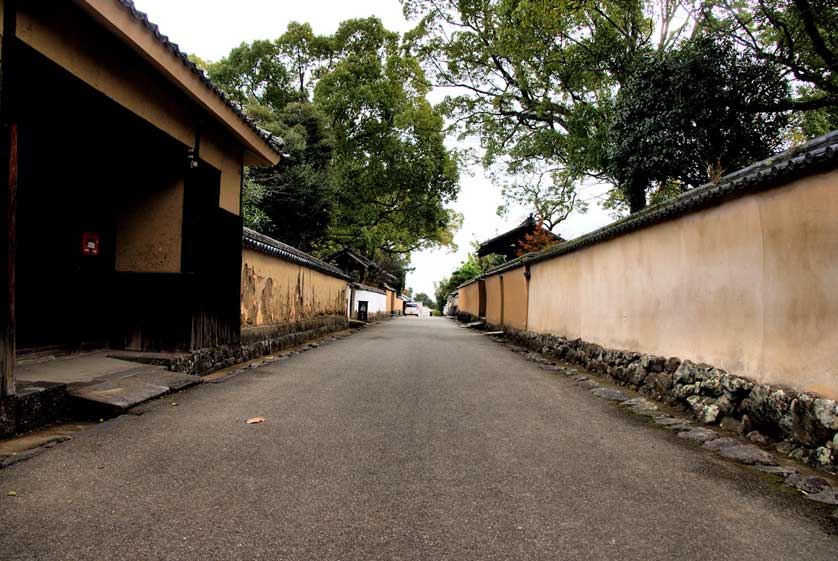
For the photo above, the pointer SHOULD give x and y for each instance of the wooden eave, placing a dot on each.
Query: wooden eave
(133, 28)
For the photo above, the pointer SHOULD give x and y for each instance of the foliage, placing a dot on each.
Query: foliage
(535, 81)
(538, 240)
(367, 163)
(393, 174)
(799, 35)
(551, 201)
(425, 300)
(691, 114)
(253, 216)
(252, 72)
(298, 194)
(470, 269)
(394, 264)
(538, 83)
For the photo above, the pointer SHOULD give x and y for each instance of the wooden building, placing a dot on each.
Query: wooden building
(509, 243)
(121, 181)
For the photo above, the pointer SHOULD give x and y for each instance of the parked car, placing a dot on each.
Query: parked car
(411, 309)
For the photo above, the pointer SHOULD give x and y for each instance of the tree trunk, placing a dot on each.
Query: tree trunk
(635, 193)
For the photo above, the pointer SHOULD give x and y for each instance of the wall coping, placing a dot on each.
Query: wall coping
(820, 154)
(369, 288)
(252, 239)
(198, 77)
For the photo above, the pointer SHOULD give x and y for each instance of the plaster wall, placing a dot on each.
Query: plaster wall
(493, 300)
(275, 291)
(470, 299)
(149, 234)
(225, 155)
(748, 286)
(377, 302)
(515, 297)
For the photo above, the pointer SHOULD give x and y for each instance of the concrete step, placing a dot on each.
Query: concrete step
(150, 358)
(117, 393)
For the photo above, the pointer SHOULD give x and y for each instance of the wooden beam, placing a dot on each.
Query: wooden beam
(8, 199)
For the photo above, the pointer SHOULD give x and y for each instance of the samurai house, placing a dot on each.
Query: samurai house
(122, 169)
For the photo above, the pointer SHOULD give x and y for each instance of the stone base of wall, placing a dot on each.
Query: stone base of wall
(375, 316)
(801, 425)
(466, 317)
(257, 342)
(33, 405)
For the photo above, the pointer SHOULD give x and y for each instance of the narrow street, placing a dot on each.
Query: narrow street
(412, 439)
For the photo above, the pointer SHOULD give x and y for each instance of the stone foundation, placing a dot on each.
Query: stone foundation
(32, 406)
(257, 342)
(466, 317)
(802, 425)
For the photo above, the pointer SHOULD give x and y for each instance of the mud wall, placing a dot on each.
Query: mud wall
(515, 296)
(494, 300)
(469, 296)
(149, 234)
(274, 291)
(748, 286)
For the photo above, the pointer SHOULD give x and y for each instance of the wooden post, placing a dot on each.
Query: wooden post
(8, 200)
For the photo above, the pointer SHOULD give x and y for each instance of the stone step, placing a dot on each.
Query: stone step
(115, 394)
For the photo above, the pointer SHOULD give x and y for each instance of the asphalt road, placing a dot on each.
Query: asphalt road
(412, 439)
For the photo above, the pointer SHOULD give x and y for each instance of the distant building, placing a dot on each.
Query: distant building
(508, 243)
(451, 304)
(353, 263)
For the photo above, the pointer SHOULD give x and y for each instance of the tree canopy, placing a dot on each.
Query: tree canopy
(539, 83)
(690, 114)
(366, 164)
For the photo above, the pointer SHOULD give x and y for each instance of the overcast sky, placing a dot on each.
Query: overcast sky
(210, 28)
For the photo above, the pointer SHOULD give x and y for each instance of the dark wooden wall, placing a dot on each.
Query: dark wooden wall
(8, 197)
(212, 250)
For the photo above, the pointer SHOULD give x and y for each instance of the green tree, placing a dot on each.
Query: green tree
(470, 269)
(425, 300)
(535, 82)
(253, 214)
(538, 82)
(298, 195)
(393, 173)
(367, 164)
(395, 264)
(691, 114)
(253, 73)
(799, 35)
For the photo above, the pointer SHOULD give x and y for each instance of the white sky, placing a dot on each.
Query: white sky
(210, 28)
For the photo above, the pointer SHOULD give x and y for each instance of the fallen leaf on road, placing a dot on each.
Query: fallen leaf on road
(11, 494)
(255, 420)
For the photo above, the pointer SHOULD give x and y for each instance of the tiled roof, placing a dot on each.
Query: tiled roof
(269, 246)
(812, 157)
(368, 288)
(515, 234)
(273, 141)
